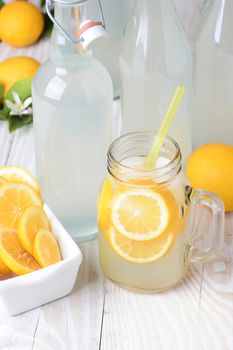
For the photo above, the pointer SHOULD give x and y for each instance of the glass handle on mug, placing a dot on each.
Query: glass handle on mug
(207, 226)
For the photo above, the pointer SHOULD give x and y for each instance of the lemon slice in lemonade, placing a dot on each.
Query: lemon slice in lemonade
(140, 215)
(103, 204)
(141, 252)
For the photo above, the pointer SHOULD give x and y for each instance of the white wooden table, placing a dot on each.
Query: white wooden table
(196, 315)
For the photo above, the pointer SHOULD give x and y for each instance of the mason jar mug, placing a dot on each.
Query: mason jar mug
(149, 220)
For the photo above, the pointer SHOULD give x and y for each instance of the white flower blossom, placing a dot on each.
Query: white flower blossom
(19, 108)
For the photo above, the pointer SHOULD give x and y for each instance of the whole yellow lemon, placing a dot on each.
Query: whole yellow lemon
(21, 23)
(210, 167)
(16, 68)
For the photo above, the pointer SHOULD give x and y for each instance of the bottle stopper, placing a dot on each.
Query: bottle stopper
(90, 31)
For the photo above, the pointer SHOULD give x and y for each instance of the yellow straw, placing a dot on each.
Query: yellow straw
(165, 126)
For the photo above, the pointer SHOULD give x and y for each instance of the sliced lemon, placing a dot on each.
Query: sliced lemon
(17, 174)
(46, 248)
(175, 222)
(14, 199)
(14, 256)
(3, 267)
(32, 220)
(141, 252)
(140, 215)
(103, 204)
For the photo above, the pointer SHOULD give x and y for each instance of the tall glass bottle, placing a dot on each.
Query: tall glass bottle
(72, 108)
(155, 58)
(213, 49)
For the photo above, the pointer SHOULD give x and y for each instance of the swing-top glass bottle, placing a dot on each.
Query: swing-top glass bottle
(155, 59)
(72, 105)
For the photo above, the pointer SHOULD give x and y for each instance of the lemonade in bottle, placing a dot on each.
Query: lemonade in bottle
(155, 58)
(146, 225)
(72, 110)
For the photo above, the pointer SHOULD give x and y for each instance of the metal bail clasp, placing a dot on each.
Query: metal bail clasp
(48, 6)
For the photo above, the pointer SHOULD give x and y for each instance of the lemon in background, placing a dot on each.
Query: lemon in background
(210, 167)
(21, 23)
(16, 68)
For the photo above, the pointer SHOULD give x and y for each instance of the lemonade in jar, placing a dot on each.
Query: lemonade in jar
(147, 218)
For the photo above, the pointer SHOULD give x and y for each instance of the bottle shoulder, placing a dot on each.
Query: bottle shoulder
(81, 82)
(49, 69)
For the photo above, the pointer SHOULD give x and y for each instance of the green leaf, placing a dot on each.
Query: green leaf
(16, 122)
(1, 92)
(3, 115)
(1, 4)
(23, 88)
(48, 27)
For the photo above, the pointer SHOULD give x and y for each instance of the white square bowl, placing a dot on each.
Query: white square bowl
(22, 293)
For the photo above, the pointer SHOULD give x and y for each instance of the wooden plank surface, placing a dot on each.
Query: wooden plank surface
(155, 321)
(74, 322)
(197, 314)
(216, 303)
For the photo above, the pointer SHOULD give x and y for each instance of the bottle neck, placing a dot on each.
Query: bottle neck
(150, 21)
(147, 4)
(63, 51)
(202, 16)
(153, 7)
(215, 18)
